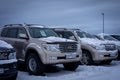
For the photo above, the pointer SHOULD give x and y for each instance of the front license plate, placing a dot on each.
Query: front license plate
(112, 54)
(70, 56)
(1, 70)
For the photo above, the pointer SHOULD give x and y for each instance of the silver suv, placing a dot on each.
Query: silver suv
(38, 46)
(93, 50)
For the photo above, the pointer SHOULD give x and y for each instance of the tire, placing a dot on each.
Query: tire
(34, 65)
(106, 62)
(71, 66)
(86, 58)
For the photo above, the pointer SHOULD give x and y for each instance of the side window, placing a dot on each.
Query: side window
(35, 33)
(21, 31)
(4, 32)
(12, 33)
(60, 34)
(67, 34)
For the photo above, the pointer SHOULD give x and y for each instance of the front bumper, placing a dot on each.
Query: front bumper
(8, 70)
(62, 58)
(105, 55)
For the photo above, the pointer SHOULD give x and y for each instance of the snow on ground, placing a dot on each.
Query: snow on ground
(101, 72)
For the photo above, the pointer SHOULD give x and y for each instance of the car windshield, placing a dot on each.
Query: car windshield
(98, 37)
(84, 35)
(107, 37)
(116, 37)
(36, 32)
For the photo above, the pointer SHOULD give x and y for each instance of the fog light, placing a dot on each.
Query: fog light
(101, 56)
(80, 56)
(53, 58)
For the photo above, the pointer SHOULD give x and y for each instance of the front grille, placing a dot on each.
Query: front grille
(4, 53)
(110, 47)
(68, 47)
(11, 67)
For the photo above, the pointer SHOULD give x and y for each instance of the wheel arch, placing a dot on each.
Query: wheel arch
(31, 50)
(88, 52)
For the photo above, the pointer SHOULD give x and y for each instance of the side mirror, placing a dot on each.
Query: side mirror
(72, 37)
(23, 36)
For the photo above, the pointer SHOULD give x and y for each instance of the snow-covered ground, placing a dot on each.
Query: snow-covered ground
(100, 72)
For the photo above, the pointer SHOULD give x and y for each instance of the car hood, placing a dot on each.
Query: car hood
(4, 44)
(56, 39)
(115, 42)
(92, 41)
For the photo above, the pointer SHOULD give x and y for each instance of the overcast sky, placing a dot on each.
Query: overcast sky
(82, 14)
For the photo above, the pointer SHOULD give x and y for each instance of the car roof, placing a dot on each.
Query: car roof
(26, 25)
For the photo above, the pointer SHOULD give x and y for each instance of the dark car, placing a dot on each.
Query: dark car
(8, 67)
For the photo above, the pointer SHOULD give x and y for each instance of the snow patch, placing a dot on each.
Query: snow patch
(102, 72)
(8, 61)
(4, 44)
(92, 41)
(56, 39)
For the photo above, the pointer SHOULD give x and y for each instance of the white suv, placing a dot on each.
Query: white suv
(93, 50)
(108, 38)
(38, 46)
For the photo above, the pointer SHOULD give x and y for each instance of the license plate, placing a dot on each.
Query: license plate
(1, 70)
(70, 56)
(112, 54)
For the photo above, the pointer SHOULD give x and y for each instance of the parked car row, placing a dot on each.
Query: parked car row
(93, 50)
(38, 46)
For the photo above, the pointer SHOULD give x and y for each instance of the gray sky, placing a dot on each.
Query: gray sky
(82, 14)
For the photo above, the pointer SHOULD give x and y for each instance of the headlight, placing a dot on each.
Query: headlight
(51, 47)
(100, 47)
(12, 55)
(78, 47)
(3, 56)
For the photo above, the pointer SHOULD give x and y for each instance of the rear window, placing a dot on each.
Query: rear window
(9, 32)
(4, 32)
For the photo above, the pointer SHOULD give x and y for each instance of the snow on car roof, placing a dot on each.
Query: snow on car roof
(103, 34)
(36, 25)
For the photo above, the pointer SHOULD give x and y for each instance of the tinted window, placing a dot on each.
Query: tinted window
(41, 32)
(4, 32)
(21, 31)
(107, 37)
(12, 33)
(66, 34)
(84, 35)
(116, 37)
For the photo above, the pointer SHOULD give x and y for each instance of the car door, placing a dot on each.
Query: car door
(11, 36)
(21, 43)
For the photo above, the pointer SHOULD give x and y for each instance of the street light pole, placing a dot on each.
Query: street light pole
(103, 22)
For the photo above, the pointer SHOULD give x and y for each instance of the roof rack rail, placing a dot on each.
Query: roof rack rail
(65, 29)
(59, 28)
(13, 25)
(74, 29)
(36, 25)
